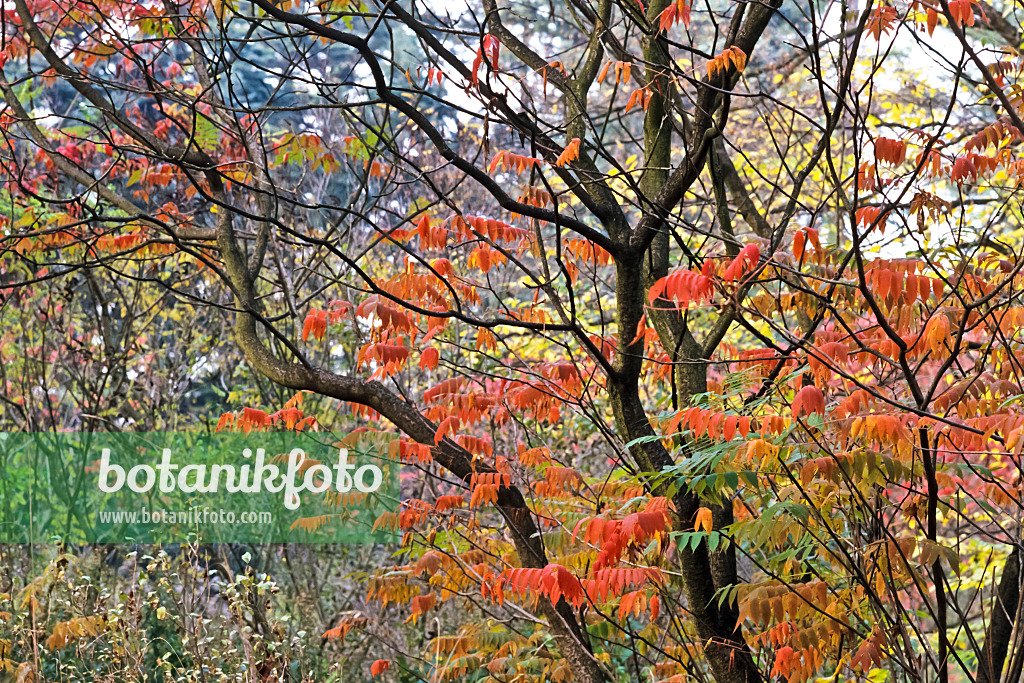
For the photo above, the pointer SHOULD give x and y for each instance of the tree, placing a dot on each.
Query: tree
(699, 323)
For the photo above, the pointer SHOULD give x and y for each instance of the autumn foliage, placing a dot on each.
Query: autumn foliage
(700, 360)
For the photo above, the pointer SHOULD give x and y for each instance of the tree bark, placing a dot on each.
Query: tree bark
(1000, 626)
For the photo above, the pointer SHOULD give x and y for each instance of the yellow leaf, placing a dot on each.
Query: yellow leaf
(703, 520)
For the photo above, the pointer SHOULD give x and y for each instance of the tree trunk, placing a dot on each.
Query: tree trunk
(1000, 627)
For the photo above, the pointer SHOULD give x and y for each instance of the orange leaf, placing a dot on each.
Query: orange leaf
(703, 520)
(429, 358)
(881, 22)
(447, 426)
(809, 400)
(571, 153)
